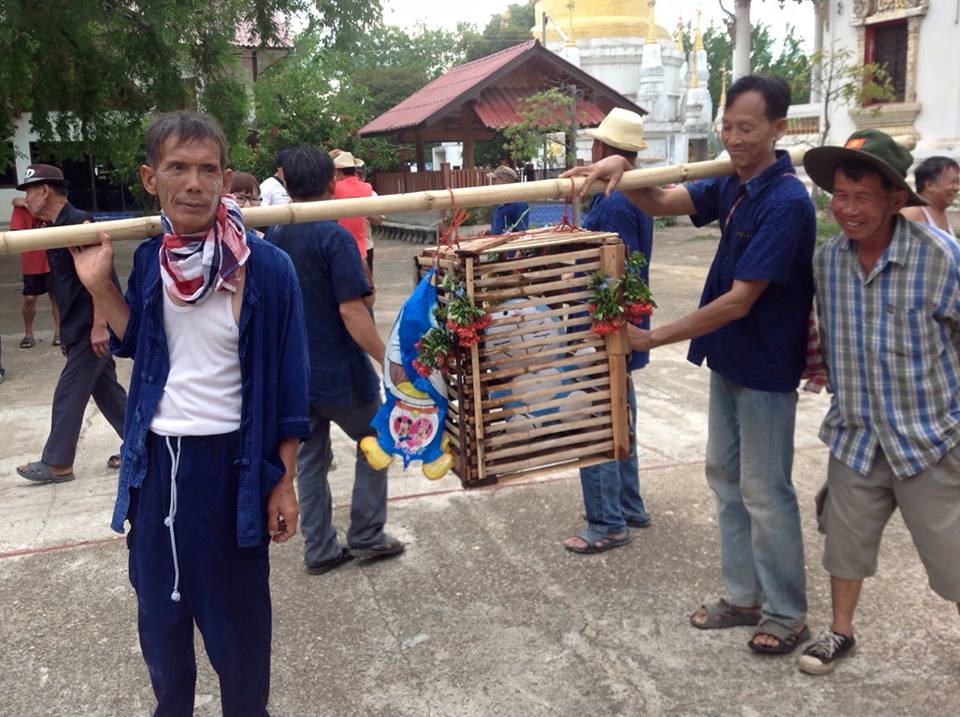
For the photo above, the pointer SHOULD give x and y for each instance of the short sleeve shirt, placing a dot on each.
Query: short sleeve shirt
(273, 192)
(616, 213)
(73, 300)
(31, 262)
(330, 271)
(768, 234)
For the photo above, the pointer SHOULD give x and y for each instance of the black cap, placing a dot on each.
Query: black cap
(42, 174)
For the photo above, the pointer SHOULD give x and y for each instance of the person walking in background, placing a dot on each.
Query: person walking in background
(36, 277)
(90, 370)
(272, 189)
(512, 216)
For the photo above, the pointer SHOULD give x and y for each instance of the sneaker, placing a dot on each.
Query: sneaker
(822, 655)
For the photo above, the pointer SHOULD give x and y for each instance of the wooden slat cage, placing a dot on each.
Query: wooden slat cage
(540, 391)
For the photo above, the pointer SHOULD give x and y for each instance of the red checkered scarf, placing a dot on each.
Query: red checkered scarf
(192, 265)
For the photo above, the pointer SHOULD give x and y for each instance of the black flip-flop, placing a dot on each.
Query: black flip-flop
(28, 342)
(325, 566)
(40, 472)
(787, 639)
(600, 545)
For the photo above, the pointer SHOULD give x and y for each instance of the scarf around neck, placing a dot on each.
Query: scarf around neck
(194, 264)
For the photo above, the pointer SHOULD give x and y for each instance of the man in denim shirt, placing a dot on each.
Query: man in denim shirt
(217, 407)
(751, 328)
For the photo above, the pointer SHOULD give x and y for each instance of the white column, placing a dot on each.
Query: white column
(741, 47)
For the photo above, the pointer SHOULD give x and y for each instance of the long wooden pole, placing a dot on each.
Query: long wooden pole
(141, 227)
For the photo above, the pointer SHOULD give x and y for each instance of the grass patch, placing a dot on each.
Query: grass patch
(705, 237)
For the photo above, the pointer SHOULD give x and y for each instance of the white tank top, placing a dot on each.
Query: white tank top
(202, 394)
(932, 222)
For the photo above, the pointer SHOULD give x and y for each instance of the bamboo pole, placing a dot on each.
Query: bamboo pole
(142, 227)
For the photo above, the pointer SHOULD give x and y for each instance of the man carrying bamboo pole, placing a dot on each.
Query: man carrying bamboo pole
(751, 328)
(611, 491)
(214, 323)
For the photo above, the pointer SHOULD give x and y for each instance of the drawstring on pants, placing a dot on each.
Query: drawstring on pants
(171, 516)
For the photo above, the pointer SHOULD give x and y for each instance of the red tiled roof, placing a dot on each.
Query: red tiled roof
(424, 103)
(498, 108)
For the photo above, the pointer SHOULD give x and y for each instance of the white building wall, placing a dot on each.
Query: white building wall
(937, 79)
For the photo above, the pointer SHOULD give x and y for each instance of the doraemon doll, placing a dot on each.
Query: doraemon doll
(411, 420)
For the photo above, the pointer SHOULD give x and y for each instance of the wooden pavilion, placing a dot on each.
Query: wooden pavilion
(472, 101)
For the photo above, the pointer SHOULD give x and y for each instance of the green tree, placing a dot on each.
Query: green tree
(88, 70)
(503, 30)
(542, 116)
(847, 81)
(791, 63)
(322, 94)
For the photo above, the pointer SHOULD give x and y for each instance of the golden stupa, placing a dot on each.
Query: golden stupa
(589, 19)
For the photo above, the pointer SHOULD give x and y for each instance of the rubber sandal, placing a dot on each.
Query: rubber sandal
(28, 342)
(788, 639)
(598, 545)
(40, 472)
(325, 566)
(721, 614)
(114, 461)
(391, 547)
(56, 340)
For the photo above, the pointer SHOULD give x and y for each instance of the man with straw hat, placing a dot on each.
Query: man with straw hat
(218, 405)
(349, 186)
(888, 302)
(611, 491)
(751, 329)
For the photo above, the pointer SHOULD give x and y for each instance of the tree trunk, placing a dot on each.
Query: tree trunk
(741, 45)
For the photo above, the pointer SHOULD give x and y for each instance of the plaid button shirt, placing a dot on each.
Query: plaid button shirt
(891, 341)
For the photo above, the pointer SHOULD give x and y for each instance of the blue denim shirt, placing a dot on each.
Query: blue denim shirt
(273, 366)
(768, 231)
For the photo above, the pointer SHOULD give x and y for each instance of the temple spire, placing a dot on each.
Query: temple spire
(651, 26)
(678, 35)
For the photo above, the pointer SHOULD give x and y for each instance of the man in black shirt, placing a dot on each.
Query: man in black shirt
(90, 370)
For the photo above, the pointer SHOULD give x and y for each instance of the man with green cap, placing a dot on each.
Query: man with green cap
(888, 303)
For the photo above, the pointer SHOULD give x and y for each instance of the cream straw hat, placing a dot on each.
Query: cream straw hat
(622, 129)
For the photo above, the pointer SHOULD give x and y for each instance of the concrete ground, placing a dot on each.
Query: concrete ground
(485, 614)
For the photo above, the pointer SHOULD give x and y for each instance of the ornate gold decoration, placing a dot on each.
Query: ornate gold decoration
(678, 35)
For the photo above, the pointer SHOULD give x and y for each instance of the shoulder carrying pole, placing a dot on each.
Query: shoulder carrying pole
(142, 227)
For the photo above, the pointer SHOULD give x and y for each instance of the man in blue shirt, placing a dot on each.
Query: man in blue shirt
(611, 491)
(511, 217)
(343, 386)
(217, 407)
(751, 329)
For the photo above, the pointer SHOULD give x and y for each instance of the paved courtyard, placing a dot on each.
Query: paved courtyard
(485, 614)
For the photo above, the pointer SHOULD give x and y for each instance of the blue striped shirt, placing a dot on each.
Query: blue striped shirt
(891, 342)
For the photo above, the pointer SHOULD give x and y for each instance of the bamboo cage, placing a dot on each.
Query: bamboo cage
(540, 391)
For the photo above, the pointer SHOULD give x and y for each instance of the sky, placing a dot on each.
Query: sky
(435, 13)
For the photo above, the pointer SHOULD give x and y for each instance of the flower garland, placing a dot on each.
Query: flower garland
(460, 321)
(627, 299)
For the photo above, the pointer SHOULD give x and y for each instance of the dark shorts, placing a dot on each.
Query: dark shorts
(36, 284)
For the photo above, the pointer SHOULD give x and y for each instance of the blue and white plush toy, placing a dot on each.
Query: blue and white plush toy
(410, 422)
